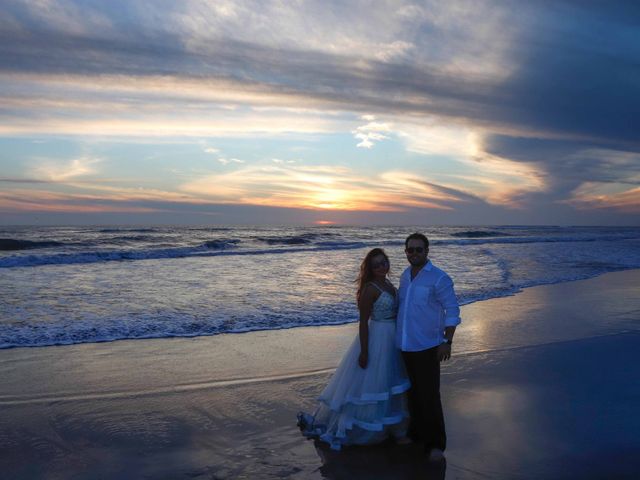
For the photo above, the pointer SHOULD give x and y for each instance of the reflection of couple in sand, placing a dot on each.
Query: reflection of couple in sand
(395, 360)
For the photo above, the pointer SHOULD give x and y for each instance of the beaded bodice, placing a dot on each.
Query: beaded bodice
(385, 308)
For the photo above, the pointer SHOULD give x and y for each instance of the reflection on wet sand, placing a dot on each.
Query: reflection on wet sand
(225, 407)
(385, 461)
(559, 410)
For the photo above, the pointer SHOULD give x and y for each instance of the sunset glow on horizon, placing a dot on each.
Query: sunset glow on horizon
(258, 112)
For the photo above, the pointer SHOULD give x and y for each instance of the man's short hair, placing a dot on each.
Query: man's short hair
(417, 236)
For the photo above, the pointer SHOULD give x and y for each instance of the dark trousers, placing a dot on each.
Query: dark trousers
(427, 420)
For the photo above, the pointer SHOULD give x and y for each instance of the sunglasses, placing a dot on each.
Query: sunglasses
(414, 249)
(382, 263)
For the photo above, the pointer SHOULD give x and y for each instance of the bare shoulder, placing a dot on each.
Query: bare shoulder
(369, 293)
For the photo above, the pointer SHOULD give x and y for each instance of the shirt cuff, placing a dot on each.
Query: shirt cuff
(452, 321)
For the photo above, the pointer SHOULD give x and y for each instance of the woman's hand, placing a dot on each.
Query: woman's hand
(363, 359)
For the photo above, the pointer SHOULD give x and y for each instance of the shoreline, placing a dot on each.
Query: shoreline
(515, 292)
(268, 353)
(527, 394)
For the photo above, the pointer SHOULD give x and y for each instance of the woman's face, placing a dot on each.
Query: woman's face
(380, 265)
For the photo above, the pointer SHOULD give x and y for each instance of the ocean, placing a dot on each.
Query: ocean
(66, 285)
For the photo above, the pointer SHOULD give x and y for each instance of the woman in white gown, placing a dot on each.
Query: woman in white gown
(364, 402)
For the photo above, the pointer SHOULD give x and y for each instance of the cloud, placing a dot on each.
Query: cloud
(570, 168)
(495, 178)
(310, 188)
(280, 161)
(43, 201)
(85, 197)
(56, 171)
(22, 180)
(197, 46)
(227, 161)
(324, 187)
(197, 55)
(113, 106)
(433, 137)
(593, 195)
(507, 66)
(547, 92)
(370, 133)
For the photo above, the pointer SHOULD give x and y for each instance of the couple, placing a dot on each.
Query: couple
(404, 334)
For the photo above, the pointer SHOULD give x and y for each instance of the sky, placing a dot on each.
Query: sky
(319, 112)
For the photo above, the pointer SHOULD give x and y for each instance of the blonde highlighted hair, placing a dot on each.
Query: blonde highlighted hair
(366, 272)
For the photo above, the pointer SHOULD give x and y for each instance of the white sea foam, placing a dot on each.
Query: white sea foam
(103, 284)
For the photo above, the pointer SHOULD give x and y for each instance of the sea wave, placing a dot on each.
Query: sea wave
(295, 240)
(479, 234)
(535, 239)
(277, 245)
(221, 244)
(156, 254)
(129, 230)
(9, 244)
(99, 330)
(301, 239)
(130, 238)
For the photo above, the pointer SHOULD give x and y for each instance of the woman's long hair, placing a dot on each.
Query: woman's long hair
(366, 272)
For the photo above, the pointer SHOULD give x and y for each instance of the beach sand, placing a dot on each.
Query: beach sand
(543, 384)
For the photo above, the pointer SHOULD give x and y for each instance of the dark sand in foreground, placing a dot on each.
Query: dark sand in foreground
(543, 384)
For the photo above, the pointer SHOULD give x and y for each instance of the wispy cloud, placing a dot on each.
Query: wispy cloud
(227, 161)
(537, 103)
(433, 137)
(322, 187)
(44, 201)
(280, 161)
(593, 195)
(569, 170)
(451, 59)
(23, 180)
(86, 197)
(371, 132)
(57, 171)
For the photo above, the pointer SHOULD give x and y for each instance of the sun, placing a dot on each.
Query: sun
(331, 199)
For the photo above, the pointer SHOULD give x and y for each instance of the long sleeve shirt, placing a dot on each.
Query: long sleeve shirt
(428, 304)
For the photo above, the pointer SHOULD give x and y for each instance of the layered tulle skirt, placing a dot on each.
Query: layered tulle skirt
(363, 406)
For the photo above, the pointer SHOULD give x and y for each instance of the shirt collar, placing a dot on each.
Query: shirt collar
(427, 266)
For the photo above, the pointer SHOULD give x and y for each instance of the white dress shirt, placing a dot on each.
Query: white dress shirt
(428, 304)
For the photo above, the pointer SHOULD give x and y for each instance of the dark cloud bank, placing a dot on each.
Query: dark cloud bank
(570, 105)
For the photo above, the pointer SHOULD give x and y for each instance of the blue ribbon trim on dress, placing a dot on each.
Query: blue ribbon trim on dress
(368, 398)
(336, 441)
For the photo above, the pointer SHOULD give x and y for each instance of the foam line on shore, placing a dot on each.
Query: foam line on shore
(189, 387)
(85, 332)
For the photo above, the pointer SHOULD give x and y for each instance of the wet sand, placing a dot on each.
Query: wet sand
(543, 384)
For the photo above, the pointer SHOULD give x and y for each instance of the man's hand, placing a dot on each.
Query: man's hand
(363, 359)
(444, 352)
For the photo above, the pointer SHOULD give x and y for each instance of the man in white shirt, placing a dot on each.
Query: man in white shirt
(427, 318)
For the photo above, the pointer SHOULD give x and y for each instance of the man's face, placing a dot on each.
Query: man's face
(416, 252)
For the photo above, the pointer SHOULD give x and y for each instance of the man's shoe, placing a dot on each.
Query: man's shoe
(436, 455)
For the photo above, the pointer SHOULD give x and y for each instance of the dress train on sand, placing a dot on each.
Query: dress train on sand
(364, 406)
